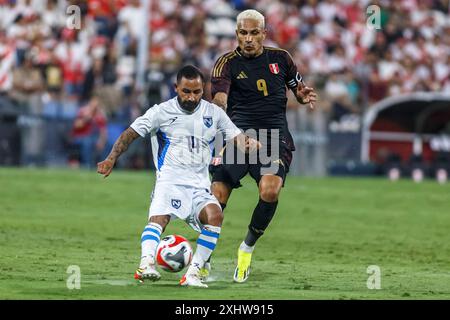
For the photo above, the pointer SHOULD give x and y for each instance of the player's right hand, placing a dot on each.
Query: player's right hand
(105, 167)
(306, 95)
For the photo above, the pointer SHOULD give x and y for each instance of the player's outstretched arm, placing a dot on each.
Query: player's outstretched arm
(247, 144)
(120, 146)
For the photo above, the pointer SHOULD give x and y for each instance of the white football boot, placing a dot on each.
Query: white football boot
(147, 270)
(192, 278)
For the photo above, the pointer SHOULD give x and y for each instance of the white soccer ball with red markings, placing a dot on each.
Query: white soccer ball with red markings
(174, 253)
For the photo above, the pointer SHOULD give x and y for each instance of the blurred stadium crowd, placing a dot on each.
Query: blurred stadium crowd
(50, 72)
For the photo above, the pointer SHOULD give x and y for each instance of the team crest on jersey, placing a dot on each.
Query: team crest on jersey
(176, 203)
(274, 68)
(208, 121)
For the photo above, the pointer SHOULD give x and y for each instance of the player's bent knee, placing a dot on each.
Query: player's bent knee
(212, 214)
(269, 188)
(216, 217)
(216, 221)
(269, 194)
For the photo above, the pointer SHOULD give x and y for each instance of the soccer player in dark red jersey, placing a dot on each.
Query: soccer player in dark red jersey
(250, 84)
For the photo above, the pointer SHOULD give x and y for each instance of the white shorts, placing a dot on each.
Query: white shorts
(182, 202)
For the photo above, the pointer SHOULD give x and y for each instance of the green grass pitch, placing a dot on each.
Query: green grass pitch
(323, 238)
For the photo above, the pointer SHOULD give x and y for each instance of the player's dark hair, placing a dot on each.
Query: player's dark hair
(189, 72)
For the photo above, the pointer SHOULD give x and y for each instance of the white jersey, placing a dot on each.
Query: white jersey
(181, 140)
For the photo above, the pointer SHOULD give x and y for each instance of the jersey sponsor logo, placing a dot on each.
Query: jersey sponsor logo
(278, 162)
(208, 121)
(274, 68)
(242, 75)
(172, 120)
(176, 203)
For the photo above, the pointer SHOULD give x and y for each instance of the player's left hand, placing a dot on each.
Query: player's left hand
(306, 95)
(251, 145)
(105, 167)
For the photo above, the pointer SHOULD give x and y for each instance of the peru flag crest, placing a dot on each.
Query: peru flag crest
(274, 68)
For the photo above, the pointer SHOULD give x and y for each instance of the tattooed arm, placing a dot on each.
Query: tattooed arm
(120, 146)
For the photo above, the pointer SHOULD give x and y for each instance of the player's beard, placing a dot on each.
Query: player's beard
(188, 106)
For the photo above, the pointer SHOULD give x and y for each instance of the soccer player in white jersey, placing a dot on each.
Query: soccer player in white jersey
(181, 130)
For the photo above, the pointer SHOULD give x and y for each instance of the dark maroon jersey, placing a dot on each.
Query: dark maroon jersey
(256, 88)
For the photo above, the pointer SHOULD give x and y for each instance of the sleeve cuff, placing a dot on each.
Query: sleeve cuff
(139, 132)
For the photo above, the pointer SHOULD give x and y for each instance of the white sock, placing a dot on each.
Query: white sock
(244, 247)
(206, 243)
(149, 241)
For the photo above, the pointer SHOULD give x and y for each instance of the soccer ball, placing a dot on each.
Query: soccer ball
(173, 253)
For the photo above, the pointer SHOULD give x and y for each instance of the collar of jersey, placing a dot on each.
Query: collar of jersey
(239, 53)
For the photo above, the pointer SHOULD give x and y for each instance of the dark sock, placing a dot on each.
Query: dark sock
(262, 215)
